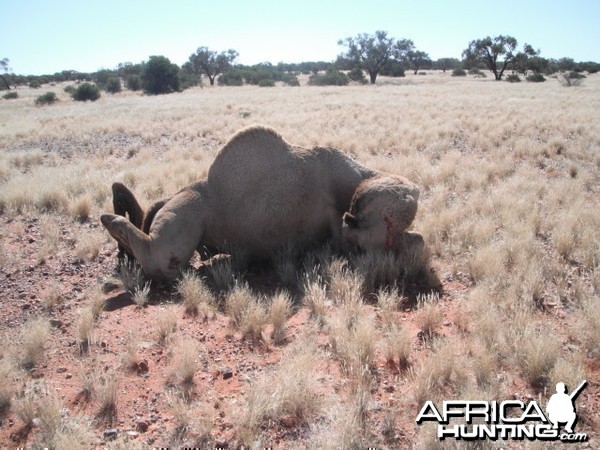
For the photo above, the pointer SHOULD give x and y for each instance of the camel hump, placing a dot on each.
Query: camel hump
(253, 153)
(255, 136)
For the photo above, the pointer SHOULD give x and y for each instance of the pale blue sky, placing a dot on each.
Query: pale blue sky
(43, 37)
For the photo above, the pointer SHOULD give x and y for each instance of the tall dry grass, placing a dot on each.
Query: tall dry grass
(508, 209)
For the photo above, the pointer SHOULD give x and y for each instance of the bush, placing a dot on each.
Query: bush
(188, 80)
(70, 89)
(266, 83)
(231, 78)
(357, 75)
(392, 69)
(331, 78)
(35, 84)
(113, 85)
(134, 83)
(47, 99)
(86, 91)
(10, 95)
(160, 76)
(569, 79)
(290, 79)
(459, 73)
(536, 78)
(513, 78)
(477, 73)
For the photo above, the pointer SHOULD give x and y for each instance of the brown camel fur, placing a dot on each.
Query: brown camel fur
(261, 195)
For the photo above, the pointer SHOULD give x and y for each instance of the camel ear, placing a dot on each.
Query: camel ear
(350, 220)
(125, 203)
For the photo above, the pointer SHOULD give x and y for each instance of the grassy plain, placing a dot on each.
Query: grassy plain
(510, 178)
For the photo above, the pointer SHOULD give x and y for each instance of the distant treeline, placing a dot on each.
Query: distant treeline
(286, 72)
(370, 54)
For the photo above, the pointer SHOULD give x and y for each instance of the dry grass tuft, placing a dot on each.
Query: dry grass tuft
(8, 375)
(315, 299)
(587, 328)
(398, 346)
(247, 312)
(429, 315)
(85, 328)
(286, 395)
(131, 276)
(106, 392)
(353, 336)
(33, 338)
(197, 299)
(443, 372)
(280, 311)
(166, 324)
(81, 208)
(141, 295)
(185, 362)
(538, 355)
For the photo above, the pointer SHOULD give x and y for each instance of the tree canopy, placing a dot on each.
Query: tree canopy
(497, 53)
(210, 63)
(160, 76)
(368, 52)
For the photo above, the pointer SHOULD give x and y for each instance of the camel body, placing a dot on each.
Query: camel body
(263, 194)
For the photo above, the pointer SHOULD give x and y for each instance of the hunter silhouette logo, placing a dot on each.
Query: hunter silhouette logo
(510, 419)
(561, 407)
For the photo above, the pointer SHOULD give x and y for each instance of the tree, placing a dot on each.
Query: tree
(368, 52)
(160, 76)
(418, 59)
(209, 63)
(497, 53)
(5, 68)
(444, 64)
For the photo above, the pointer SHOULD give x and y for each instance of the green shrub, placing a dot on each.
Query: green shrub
(86, 91)
(188, 80)
(231, 78)
(393, 69)
(134, 83)
(331, 78)
(513, 78)
(113, 85)
(69, 89)
(10, 95)
(160, 76)
(46, 99)
(266, 83)
(459, 73)
(357, 75)
(290, 79)
(536, 78)
(35, 84)
(477, 73)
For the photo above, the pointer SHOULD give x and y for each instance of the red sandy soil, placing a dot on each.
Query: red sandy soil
(228, 365)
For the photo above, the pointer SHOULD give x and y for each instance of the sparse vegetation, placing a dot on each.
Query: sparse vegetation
(34, 334)
(570, 79)
(321, 351)
(197, 299)
(46, 99)
(85, 92)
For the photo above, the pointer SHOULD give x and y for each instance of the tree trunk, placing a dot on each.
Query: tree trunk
(5, 82)
(373, 77)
